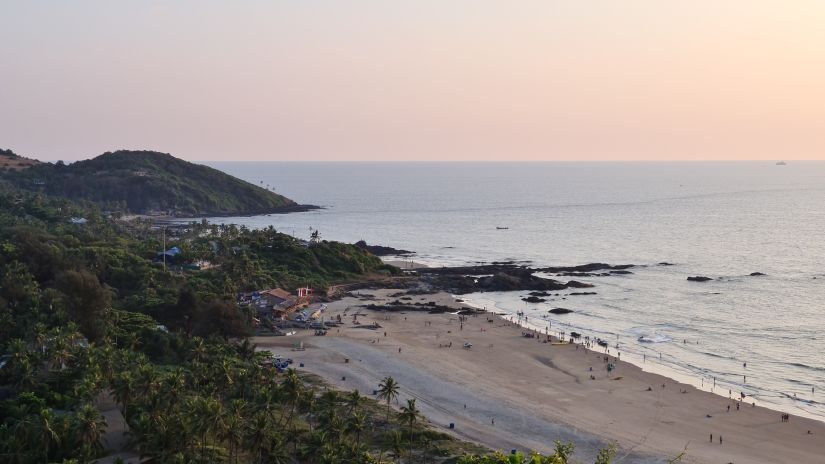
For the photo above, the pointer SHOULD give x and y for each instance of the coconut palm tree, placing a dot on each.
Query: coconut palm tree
(409, 415)
(89, 426)
(174, 384)
(123, 387)
(232, 430)
(356, 425)
(388, 391)
(353, 401)
(292, 388)
(260, 437)
(396, 443)
(246, 350)
(206, 419)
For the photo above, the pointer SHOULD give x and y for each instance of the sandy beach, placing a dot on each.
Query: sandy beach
(510, 391)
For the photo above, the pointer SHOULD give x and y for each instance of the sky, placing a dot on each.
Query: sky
(422, 80)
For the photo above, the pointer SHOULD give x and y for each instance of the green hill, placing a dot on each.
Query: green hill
(147, 182)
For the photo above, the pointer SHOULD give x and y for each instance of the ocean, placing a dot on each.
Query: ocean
(763, 336)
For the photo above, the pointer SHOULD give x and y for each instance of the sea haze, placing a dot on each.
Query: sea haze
(723, 220)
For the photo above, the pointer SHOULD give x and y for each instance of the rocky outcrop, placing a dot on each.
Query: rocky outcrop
(533, 299)
(577, 284)
(699, 279)
(560, 311)
(379, 250)
(756, 274)
(509, 276)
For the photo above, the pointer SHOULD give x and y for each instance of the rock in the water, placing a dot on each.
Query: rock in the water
(582, 293)
(533, 299)
(621, 272)
(665, 263)
(561, 311)
(699, 279)
(757, 274)
(379, 250)
(540, 294)
(577, 284)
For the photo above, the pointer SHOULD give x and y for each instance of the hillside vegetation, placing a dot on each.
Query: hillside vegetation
(147, 182)
(81, 308)
(10, 161)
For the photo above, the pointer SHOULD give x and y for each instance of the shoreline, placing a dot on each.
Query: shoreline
(537, 392)
(668, 370)
(683, 373)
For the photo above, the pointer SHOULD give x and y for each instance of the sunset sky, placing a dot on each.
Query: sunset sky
(418, 80)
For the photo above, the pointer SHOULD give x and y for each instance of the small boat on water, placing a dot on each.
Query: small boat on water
(781, 163)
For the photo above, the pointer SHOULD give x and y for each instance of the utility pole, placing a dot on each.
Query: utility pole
(163, 251)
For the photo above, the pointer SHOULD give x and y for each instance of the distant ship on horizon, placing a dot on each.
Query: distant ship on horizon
(781, 163)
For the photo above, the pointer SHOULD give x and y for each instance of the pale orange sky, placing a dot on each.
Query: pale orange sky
(421, 80)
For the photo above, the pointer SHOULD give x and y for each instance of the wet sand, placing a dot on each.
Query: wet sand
(538, 392)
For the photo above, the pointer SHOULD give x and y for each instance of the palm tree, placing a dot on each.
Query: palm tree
(124, 388)
(309, 406)
(89, 428)
(146, 381)
(353, 401)
(356, 425)
(232, 430)
(246, 350)
(259, 437)
(198, 350)
(49, 428)
(388, 391)
(396, 443)
(292, 388)
(409, 414)
(174, 384)
(206, 418)
(225, 373)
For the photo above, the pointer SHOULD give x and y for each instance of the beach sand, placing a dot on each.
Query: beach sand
(539, 392)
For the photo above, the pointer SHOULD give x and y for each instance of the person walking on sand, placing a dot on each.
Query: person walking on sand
(493, 421)
(728, 405)
(711, 438)
(720, 439)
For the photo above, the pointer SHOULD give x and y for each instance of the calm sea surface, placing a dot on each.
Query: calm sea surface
(722, 220)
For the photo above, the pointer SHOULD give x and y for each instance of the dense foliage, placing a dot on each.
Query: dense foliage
(92, 324)
(150, 182)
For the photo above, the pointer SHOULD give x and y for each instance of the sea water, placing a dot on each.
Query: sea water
(724, 220)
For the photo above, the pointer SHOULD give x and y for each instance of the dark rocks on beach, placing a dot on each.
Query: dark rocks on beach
(560, 311)
(577, 284)
(621, 272)
(379, 250)
(756, 274)
(584, 274)
(586, 268)
(430, 308)
(504, 277)
(533, 299)
(699, 279)
(665, 263)
(581, 293)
